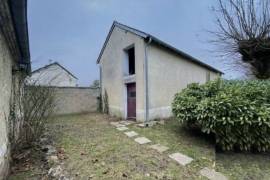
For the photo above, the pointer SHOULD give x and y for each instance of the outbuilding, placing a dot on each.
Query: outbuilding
(140, 74)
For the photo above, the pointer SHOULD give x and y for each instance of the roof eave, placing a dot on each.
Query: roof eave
(181, 53)
(157, 41)
(19, 15)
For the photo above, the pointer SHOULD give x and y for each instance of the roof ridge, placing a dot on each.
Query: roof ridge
(54, 63)
(156, 40)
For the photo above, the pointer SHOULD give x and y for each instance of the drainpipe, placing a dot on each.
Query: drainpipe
(100, 88)
(146, 105)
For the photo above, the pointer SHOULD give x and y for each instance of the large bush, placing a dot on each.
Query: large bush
(237, 112)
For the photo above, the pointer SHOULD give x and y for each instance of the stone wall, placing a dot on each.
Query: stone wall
(73, 100)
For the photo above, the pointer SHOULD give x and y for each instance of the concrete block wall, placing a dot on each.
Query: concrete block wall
(73, 100)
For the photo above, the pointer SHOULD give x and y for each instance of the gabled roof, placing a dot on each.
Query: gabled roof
(156, 41)
(49, 65)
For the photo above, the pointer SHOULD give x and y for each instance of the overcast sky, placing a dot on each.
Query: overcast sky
(72, 32)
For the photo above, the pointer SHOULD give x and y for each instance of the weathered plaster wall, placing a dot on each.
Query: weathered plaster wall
(16, 117)
(75, 100)
(5, 96)
(52, 76)
(168, 74)
(112, 72)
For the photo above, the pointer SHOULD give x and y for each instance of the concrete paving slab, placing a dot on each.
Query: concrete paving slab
(212, 174)
(127, 122)
(181, 158)
(142, 140)
(120, 125)
(131, 133)
(117, 124)
(142, 125)
(114, 123)
(122, 128)
(160, 148)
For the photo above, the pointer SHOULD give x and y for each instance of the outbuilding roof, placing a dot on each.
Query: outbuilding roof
(154, 40)
(57, 64)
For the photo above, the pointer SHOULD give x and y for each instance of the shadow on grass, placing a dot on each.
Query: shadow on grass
(193, 133)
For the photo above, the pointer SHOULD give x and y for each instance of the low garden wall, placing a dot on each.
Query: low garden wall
(74, 100)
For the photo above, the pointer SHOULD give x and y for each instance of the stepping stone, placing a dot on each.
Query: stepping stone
(122, 128)
(212, 174)
(181, 158)
(141, 125)
(159, 148)
(131, 133)
(126, 122)
(114, 123)
(142, 140)
(120, 125)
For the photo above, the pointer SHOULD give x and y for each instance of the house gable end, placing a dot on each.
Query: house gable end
(54, 64)
(125, 28)
(155, 40)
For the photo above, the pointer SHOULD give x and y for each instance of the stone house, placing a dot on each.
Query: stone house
(141, 74)
(14, 66)
(54, 75)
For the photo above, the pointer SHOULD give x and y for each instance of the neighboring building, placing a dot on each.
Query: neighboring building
(141, 74)
(53, 75)
(14, 66)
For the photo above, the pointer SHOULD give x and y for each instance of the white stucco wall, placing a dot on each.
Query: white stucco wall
(112, 65)
(168, 73)
(53, 75)
(5, 96)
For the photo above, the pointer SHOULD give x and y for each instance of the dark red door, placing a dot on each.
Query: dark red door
(131, 100)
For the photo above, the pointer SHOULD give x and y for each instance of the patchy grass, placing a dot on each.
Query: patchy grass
(95, 149)
(30, 168)
(180, 139)
(244, 166)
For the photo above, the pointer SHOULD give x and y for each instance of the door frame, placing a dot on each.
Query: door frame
(126, 99)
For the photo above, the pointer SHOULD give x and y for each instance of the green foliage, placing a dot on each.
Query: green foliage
(238, 112)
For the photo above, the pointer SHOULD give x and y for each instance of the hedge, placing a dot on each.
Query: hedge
(237, 112)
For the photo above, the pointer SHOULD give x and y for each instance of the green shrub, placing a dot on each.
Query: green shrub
(238, 112)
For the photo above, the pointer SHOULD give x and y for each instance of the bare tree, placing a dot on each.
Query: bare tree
(38, 105)
(33, 105)
(244, 29)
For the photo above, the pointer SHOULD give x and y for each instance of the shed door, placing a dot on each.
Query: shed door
(131, 100)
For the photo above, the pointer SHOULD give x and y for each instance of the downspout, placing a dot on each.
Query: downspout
(100, 89)
(146, 105)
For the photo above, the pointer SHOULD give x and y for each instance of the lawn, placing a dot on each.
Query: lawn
(96, 150)
(244, 166)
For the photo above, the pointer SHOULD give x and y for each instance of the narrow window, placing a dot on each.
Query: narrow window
(131, 61)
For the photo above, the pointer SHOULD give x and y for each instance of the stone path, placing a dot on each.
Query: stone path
(142, 140)
(159, 148)
(181, 159)
(123, 128)
(117, 124)
(212, 174)
(131, 134)
(127, 122)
